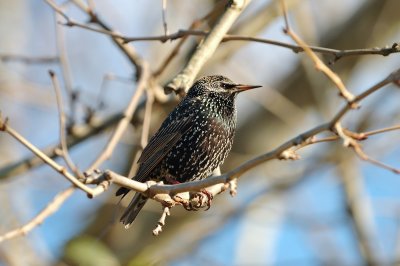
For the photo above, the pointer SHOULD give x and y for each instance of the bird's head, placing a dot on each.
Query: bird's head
(218, 85)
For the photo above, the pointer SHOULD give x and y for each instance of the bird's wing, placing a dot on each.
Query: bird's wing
(160, 144)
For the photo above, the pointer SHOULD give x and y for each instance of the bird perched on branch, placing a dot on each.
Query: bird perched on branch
(194, 139)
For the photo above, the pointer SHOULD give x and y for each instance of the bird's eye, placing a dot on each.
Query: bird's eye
(228, 86)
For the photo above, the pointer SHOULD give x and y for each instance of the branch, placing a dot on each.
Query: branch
(360, 212)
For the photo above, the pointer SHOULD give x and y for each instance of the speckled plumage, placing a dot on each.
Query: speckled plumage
(193, 140)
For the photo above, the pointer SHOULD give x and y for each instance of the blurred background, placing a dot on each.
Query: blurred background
(328, 208)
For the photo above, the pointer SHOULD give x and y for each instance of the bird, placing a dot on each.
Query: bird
(194, 139)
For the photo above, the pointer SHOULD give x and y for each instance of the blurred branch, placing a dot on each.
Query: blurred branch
(337, 54)
(164, 11)
(29, 59)
(360, 212)
(66, 73)
(51, 208)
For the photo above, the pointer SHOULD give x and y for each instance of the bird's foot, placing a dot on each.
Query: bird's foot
(198, 199)
(209, 197)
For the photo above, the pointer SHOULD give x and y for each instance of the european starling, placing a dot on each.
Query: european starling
(194, 139)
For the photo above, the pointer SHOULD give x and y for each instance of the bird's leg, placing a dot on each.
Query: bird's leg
(170, 180)
(177, 198)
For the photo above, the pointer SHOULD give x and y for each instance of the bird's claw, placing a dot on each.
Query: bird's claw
(195, 205)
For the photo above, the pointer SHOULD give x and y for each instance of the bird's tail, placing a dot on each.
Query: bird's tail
(133, 209)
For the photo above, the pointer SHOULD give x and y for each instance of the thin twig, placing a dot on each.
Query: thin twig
(319, 65)
(57, 9)
(382, 130)
(61, 119)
